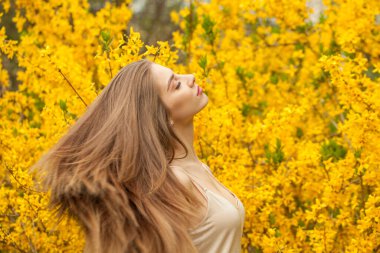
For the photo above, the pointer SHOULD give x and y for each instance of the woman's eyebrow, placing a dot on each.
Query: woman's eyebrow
(170, 80)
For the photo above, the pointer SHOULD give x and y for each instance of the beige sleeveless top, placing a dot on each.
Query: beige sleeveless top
(221, 229)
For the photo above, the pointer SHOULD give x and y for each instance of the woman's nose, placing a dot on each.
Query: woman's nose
(191, 80)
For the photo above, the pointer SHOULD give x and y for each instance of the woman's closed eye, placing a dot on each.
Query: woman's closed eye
(179, 84)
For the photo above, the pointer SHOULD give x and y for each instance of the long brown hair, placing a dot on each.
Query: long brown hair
(110, 171)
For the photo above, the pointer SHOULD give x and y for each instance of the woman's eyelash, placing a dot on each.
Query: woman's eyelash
(179, 83)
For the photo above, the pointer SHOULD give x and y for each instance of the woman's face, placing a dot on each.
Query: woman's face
(179, 93)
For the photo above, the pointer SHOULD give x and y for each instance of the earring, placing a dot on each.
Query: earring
(171, 122)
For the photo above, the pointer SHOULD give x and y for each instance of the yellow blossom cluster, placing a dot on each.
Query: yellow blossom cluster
(291, 126)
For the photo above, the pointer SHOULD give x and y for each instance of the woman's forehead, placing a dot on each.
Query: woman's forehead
(161, 74)
(160, 69)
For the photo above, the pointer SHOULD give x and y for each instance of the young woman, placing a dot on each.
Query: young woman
(127, 170)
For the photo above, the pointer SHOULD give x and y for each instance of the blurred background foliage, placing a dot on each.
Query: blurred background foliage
(291, 126)
(150, 17)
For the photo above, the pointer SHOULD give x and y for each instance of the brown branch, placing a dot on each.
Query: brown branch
(191, 34)
(22, 186)
(362, 193)
(31, 245)
(219, 67)
(109, 65)
(254, 162)
(13, 243)
(67, 80)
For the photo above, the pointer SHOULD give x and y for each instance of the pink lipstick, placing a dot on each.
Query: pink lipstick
(199, 90)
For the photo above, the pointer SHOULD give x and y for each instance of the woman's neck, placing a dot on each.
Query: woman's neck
(186, 134)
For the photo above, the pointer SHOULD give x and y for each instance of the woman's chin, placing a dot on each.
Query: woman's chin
(204, 103)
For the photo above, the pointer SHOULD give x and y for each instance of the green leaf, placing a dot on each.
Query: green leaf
(276, 29)
(105, 35)
(370, 74)
(63, 105)
(299, 46)
(249, 75)
(247, 108)
(14, 132)
(322, 18)
(278, 155)
(275, 157)
(299, 133)
(191, 21)
(203, 62)
(277, 233)
(358, 153)
(208, 27)
(305, 27)
(274, 78)
(334, 150)
(332, 128)
(272, 219)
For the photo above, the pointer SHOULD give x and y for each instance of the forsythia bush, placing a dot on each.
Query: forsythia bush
(291, 126)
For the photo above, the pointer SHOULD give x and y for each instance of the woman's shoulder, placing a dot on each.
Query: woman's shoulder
(182, 177)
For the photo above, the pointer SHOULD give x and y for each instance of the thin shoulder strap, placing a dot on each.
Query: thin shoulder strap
(207, 169)
(197, 184)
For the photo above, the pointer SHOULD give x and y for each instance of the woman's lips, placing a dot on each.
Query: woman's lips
(199, 90)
